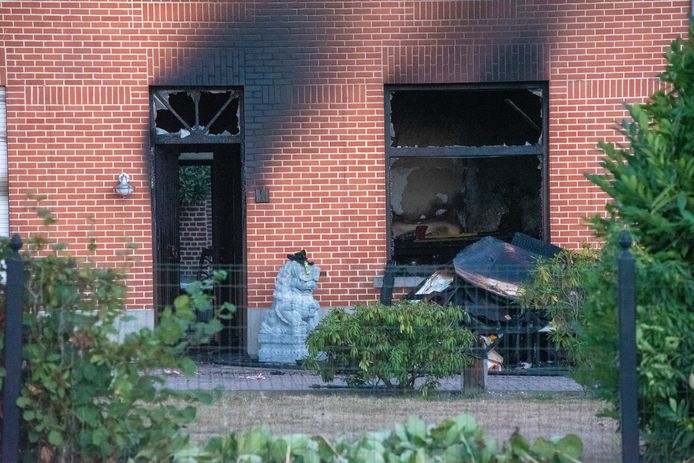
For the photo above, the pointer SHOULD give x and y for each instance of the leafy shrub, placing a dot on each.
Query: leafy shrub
(454, 440)
(87, 397)
(194, 184)
(651, 185)
(557, 287)
(393, 345)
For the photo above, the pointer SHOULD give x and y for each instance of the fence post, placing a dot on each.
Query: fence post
(388, 283)
(628, 379)
(14, 295)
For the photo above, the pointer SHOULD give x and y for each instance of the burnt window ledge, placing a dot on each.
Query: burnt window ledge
(472, 151)
(400, 282)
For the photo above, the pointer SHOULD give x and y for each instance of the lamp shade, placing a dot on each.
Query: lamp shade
(123, 188)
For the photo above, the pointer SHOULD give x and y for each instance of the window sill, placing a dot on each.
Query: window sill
(400, 282)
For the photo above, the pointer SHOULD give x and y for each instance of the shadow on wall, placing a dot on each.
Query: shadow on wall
(286, 55)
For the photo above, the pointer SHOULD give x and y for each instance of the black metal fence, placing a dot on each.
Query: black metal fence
(628, 378)
(519, 337)
(14, 296)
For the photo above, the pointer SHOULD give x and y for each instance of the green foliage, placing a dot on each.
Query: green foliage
(566, 449)
(556, 287)
(393, 345)
(194, 184)
(651, 185)
(87, 397)
(455, 440)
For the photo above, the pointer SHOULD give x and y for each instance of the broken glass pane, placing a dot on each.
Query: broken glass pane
(225, 122)
(174, 111)
(196, 112)
(477, 117)
(166, 123)
(183, 104)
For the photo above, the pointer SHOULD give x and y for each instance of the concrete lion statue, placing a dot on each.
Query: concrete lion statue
(294, 312)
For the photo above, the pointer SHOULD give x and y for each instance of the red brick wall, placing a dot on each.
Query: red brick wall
(77, 76)
(195, 232)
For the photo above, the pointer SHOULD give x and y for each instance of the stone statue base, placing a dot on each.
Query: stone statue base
(283, 348)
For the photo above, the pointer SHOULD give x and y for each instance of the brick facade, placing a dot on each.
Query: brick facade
(78, 73)
(195, 234)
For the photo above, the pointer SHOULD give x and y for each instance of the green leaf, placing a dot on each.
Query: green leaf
(544, 448)
(182, 302)
(519, 443)
(249, 458)
(23, 401)
(297, 442)
(187, 366)
(369, 455)
(416, 428)
(253, 442)
(455, 453)
(55, 438)
(571, 447)
(465, 422)
(99, 437)
(278, 450)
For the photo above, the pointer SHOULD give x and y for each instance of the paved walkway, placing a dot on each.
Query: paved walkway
(247, 378)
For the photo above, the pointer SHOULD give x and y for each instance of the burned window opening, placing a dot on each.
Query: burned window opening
(464, 117)
(196, 113)
(466, 162)
(219, 113)
(440, 205)
(171, 112)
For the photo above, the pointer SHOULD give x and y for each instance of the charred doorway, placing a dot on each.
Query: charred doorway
(198, 201)
(465, 162)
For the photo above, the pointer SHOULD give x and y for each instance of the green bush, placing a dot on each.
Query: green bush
(651, 185)
(85, 396)
(458, 439)
(194, 184)
(557, 287)
(391, 345)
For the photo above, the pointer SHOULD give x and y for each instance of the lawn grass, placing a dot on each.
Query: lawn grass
(353, 414)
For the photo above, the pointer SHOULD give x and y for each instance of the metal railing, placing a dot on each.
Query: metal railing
(522, 340)
(14, 300)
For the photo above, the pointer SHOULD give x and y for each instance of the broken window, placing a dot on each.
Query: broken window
(465, 163)
(196, 115)
(466, 118)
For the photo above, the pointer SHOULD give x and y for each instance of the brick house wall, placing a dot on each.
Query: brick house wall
(195, 228)
(77, 76)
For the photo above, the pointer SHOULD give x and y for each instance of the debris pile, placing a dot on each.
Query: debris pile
(485, 279)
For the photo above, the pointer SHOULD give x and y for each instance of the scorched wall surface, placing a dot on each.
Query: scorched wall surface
(78, 74)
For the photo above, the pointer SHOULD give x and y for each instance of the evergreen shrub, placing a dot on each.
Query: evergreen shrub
(650, 182)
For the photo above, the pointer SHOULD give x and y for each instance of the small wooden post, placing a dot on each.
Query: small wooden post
(475, 374)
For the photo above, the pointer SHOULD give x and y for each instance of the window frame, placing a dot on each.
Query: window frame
(194, 138)
(540, 149)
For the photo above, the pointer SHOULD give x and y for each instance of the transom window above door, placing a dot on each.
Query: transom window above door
(196, 115)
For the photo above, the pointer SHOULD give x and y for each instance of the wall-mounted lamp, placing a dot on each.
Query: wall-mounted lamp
(123, 188)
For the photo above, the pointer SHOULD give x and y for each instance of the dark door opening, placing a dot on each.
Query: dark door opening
(198, 211)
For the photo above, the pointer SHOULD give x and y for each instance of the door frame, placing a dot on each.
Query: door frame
(192, 143)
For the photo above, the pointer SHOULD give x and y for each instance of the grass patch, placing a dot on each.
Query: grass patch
(353, 414)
